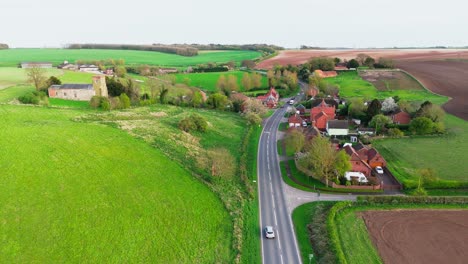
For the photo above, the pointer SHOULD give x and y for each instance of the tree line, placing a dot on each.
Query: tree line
(4, 46)
(173, 49)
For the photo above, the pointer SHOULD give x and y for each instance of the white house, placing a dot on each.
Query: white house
(337, 127)
(359, 175)
(27, 64)
(88, 68)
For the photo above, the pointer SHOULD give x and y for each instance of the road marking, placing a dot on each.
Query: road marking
(281, 256)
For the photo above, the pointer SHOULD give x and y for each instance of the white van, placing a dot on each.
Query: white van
(359, 175)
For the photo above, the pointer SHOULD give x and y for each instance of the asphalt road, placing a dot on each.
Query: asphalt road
(273, 206)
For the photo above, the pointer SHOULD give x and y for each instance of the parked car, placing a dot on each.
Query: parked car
(269, 233)
(379, 170)
(291, 102)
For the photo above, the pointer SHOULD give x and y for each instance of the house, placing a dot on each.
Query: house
(296, 121)
(67, 66)
(357, 164)
(337, 127)
(88, 68)
(270, 99)
(320, 114)
(374, 158)
(80, 92)
(28, 64)
(325, 74)
(400, 117)
(301, 109)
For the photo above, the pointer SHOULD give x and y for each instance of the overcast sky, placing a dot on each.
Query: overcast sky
(289, 23)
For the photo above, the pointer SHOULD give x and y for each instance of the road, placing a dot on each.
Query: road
(273, 207)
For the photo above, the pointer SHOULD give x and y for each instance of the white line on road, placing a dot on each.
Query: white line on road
(281, 256)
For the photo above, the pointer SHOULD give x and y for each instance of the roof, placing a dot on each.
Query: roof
(300, 106)
(88, 66)
(295, 119)
(372, 153)
(36, 62)
(73, 86)
(359, 146)
(338, 124)
(320, 115)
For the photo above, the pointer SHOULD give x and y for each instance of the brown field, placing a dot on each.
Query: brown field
(419, 236)
(444, 77)
(296, 57)
(385, 80)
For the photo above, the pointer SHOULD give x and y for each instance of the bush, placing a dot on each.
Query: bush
(412, 199)
(200, 122)
(95, 102)
(395, 132)
(187, 124)
(36, 97)
(333, 231)
(115, 103)
(421, 126)
(105, 104)
(124, 101)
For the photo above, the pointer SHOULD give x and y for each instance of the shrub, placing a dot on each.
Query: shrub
(438, 127)
(412, 199)
(35, 97)
(115, 103)
(421, 126)
(105, 104)
(124, 101)
(200, 122)
(95, 102)
(395, 132)
(187, 124)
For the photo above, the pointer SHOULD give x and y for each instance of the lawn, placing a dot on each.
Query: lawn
(11, 57)
(68, 103)
(10, 76)
(444, 154)
(84, 192)
(207, 81)
(351, 85)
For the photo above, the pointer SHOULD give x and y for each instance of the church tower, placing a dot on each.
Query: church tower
(99, 85)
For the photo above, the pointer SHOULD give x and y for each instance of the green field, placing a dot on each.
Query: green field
(10, 76)
(444, 154)
(11, 57)
(351, 85)
(207, 81)
(84, 192)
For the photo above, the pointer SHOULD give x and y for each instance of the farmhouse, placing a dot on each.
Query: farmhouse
(400, 117)
(80, 92)
(26, 65)
(325, 74)
(270, 99)
(320, 114)
(337, 127)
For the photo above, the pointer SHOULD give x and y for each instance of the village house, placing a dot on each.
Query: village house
(270, 99)
(301, 109)
(325, 74)
(337, 127)
(357, 163)
(364, 159)
(320, 115)
(80, 92)
(400, 117)
(67, 66)
(296, 121)
(27, 65)
(88, 68)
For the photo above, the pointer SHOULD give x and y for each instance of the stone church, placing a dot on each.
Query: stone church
(80, 92)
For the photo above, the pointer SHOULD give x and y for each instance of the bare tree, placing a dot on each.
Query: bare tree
(36, 76)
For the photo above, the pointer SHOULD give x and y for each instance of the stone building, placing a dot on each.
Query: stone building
(80, 92)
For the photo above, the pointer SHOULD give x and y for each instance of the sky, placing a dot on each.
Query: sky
(338, 23)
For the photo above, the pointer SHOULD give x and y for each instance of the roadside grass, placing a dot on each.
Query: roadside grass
(85, 192)
(158, 126)
(11, 57)
(352, 85)
(207, 81)
(444, 154)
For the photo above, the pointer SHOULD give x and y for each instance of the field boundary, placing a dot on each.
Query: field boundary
(420, 83)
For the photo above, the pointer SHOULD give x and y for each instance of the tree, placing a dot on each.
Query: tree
(231, 84)
(163, 94)
(36, 76)
(431, 111)
(217, 101)
(254, 106)
(246, 81)
(379, 121)
(222, 83)
(114, 87)
(295, 139)
(124, 101)
(322, 63)
(374, 108)
(53, 81)
(352, 64)
(120, 71)
(197, 98)
(389, 105)
(395, 132)
(256, 80)
(425, 176)
(253, 118)
(153, 87)
(336, 60)
(320, 158)
(356, 108)
(369, 62)
(361, 58)
(131, 88)
(250, 64)
(385, 63)
(342, 163)
(438, 127)
(421, 126)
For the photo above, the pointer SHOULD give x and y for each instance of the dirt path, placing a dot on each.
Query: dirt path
(419, 236)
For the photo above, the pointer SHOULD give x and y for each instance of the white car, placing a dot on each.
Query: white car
(269, 233)
(379, 170)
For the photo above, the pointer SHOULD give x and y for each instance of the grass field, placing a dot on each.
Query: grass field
(207, 81)
(352, 85)
(74, 192)
(11, 57)
(10, 76)
(444, 154)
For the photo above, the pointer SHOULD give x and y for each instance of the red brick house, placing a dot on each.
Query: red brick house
(296, 121)
(401, 118)
(374, 158)
(270, 99)
(320, 114)
(357, 164)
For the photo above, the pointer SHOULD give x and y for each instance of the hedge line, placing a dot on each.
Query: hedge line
(333, 230)
(173, 49)
(412, 200)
